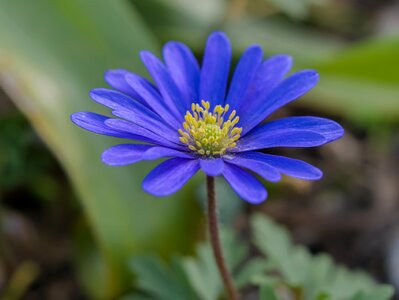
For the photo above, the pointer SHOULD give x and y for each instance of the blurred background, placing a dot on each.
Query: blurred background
(68, 224)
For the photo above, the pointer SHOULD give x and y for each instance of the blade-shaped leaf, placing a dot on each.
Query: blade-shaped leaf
(52, 52)
(361, 82)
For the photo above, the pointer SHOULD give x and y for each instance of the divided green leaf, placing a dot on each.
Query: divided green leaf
(313, 277)
(286, 271)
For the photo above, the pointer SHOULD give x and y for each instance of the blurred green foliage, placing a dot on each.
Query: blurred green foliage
(285, 271)
(311, 277)
(190, 278)
(52, 52)
(362, 83)
(358, 79)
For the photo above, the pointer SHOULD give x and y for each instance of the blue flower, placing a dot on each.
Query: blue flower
(190, 117)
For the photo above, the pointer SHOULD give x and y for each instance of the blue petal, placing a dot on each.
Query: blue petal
(118, 101)
(268, 76)
(279, 138)
(153, 99)
(147, 135)
(125, 107)
(116, 79)
(261, 168)
(170, 176)
(290, 89)
(212, 167)
(272, 72)
(215, 69)
(160, 152)
(155, 126)
(184, 69)
(124, 154)
(325, 127)
(167, 87)
(289, 166)
(243, 76)
(96, 123)
(244, 184)
(123, 103)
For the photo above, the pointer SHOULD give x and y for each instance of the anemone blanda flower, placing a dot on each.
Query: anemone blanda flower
(198, 120)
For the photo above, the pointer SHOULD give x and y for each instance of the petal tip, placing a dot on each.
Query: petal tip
(105, 159)
(146, 55)
(172, 44)
(78, 117)
(157, 193)
(255, 48)
(110, 72)
(340, 131)
(287, 59)
(259, 199)
(317, 175)
(219, 36)
(218, 33)
(312, 74)
(275, 179)
(73, 117)
(95, 93)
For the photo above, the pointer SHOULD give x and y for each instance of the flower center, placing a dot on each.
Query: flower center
(210, 133)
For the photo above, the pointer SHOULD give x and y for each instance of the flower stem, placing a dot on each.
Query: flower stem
(215, 240)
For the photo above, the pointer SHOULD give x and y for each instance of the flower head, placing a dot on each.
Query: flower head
(207, 132)
(192, 118)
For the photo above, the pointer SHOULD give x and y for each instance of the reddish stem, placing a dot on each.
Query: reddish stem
(215, 240)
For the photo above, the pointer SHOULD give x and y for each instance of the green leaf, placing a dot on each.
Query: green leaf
(249, 272)
(320, 273)
(276, 243)
(189, 278)
(198, 277)
(183, 20)
(267, 293)
(193, 277)
(202, 271)
(276, 36)
(316, 277)
(52, 52)
(381, 293)
(358, 81)
(203, 274)
(323, 296)
(361, 82)
(161, 282)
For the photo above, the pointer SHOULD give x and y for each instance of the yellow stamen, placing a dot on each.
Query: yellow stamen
(205, 132)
